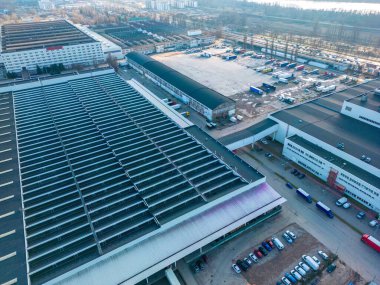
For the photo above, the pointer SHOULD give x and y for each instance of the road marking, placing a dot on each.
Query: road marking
(8, 149)
(7, 256)
(6, 126)
(7, 198)
(6, 119)
(10, 282)
(7, 141)
(6, 171)
(5, 160)
(6, 183)
(7, 234)
(3, 134)
(7, 214)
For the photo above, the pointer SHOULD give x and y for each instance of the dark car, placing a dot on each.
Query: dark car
(266, 246)
(242, 265)
(268, 241)
(291, 278)
(263, 251)
(294, 171)
(331, 267)
(301, 176)
(258, 253)
(360, 215)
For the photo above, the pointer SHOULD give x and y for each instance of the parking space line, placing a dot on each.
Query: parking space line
(8, 149)
(6, 171)
(10, 282)
(5, 160)
(7, 141)
(3, 134)
(7, 214)
(6, 126)
(6, 183)
(7, 198)
(7, 234)
(6, 119)
(7, 256)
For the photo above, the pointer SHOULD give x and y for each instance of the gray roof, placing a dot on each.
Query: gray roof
(336, 160)
(206, 96)
(97, 173)
(320, 120)
(248, 132)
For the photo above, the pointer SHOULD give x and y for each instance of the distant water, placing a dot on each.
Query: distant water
(324, 5)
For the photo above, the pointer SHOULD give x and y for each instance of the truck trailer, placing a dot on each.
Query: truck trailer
(371, 242)
(303, 194)
(322, 207)
(256, 90)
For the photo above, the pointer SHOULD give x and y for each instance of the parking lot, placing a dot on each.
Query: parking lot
(269, 269)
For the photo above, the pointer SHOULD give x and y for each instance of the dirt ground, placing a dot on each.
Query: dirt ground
(271, 268)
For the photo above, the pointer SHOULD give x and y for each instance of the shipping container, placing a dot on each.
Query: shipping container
(302, 193)
(269, 86)
(371, 241)
(256, 90)
(322, 207)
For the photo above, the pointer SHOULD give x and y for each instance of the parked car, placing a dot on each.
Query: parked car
(300, 270)
(242, 265)
(316, 260)
(287, 238)
(301, 176)
(268, 154)
(294, 171)
(266, 246)
(268, 241)
(253, 257)
(291, 278)
(236, 268)
(373, 223)
(347, 205)
(285, 281)
(248, 261)
(289, 185)
(323, 255)
(331, 267)
(278, 243)
(200, 264)
(263, 251)
(264, 141)
(196, 268)
(341, 201)
(360, 215)
(304, 266)
(291, 234)
(296, 275)
(258, 253)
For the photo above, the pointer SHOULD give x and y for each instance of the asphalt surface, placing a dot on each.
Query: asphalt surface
(338, 236)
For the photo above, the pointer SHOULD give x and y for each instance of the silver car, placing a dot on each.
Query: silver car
(304, 266)
(300, 270)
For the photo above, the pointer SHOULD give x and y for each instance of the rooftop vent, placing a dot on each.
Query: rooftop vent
(300, 121)
(377, 91)
(364, 98)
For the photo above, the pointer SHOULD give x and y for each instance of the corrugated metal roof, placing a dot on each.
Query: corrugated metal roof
(204, 95)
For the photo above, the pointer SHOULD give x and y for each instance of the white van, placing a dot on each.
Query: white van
(341, 201)
(278, 243)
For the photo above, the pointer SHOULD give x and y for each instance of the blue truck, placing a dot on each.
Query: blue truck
(256, 90)
(283, 63)
(322, 207)
(303, 194)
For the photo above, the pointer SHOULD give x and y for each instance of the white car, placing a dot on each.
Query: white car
(296, 275)
(316, 260)
(291, 234)
(286, 281)
(323, 255)
(300, 270)
(373, 223)
(248, 261)
(236, 268)
(347, 205)
(304, 266)
(253, 257)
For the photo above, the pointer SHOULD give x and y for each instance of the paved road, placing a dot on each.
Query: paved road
(335, 234)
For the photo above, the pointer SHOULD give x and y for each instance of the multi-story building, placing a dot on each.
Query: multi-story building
(28, 45)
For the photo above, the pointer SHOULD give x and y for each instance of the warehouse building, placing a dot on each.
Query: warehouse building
(94, 191)
(335, 137)
(26, 45)
(202, 99)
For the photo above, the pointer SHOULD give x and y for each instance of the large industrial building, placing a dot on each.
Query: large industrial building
(102, 183)
(202, 99)
(335, 137)
(28, 45)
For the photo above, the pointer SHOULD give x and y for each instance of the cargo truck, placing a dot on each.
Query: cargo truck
(303, 194)
(283, 63)
(291, 65)
(328, 89)
(371, 242)
(268, 86)
(256, 90)
(322, 207)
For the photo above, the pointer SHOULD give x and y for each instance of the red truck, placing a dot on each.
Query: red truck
(371, 241)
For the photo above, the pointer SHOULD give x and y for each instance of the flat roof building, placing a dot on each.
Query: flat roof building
(204, 100)
(102, 183)
(26, 45)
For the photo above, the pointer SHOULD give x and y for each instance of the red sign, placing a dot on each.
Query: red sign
(54, 48)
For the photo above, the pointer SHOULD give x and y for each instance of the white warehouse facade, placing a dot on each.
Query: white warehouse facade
(28, 45)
